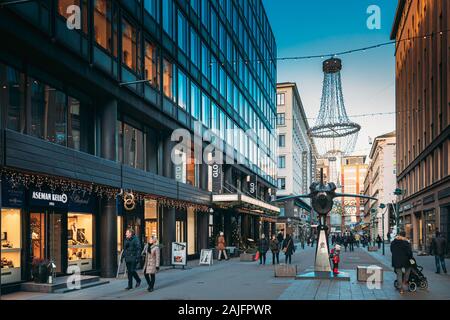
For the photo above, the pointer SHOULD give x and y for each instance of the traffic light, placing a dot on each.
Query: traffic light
(382, 206)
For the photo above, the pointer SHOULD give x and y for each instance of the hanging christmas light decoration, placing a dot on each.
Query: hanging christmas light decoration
(333, 131)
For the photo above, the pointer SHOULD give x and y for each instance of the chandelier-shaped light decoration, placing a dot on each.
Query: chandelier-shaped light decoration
(333, 131)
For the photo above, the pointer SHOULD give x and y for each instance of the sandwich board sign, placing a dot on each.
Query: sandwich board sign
(179, 254)
(121, 266)
(206, 257)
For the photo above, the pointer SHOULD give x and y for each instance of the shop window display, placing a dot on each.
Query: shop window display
(119, 235)
(151, 218)
(80, 240)
(10, 245)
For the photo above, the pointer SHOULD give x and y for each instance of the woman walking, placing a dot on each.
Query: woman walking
(288, 248)
(131, 251)
(275, 248)
(263, 247)
(221, 247)
(152, 258)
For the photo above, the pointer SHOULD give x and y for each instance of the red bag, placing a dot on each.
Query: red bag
(257, 256)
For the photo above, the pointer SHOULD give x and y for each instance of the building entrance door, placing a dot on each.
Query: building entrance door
(46, 232)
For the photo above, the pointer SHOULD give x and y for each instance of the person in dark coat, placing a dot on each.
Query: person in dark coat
(345, 240)
(288, 248)
(280, 239)
(438, 248)
(263, 247)
(388, 236)
(131, 254)
(401, 255)
(351, 241)
(379, 241)
(275, 248)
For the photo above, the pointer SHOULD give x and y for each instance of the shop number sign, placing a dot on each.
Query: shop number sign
(179, 253)
(217, 178)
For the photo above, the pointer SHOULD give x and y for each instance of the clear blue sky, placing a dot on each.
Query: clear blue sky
(309, 27)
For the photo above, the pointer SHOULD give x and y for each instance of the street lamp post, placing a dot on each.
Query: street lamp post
(398, 192)
(382, 206)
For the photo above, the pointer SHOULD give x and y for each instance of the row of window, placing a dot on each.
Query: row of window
(113, 32)
(177, 91)
(35, 108)
(180, 89)
(59, 118)
(190, 43)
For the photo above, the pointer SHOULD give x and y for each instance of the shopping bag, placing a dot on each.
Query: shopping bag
(257, 256)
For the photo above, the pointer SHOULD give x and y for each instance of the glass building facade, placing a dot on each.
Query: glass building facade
(81, 88)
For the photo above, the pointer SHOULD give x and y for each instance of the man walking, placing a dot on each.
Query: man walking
(439, 249)
(352, 241)
(401, 254)
(131, 254)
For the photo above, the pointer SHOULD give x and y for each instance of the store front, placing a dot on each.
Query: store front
(429, 228)
(41, 224)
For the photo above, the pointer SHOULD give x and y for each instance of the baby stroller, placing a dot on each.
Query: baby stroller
(416, 277)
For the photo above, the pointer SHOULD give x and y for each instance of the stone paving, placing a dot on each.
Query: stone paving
(235, 280)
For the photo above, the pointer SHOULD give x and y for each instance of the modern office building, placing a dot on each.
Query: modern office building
(380, 182)
(423, 118)
(87, 115)
(353, 171)
(296, 157)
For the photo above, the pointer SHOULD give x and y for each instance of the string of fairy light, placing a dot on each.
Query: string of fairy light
(342, 53)
(20, 179)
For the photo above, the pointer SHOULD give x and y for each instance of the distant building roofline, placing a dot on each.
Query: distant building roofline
(381, 137)
(297, 94)
(398, 18)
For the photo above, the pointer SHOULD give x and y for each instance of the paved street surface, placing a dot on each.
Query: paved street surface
(235, 280)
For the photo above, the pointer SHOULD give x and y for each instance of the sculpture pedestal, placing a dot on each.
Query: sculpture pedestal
(322, 262)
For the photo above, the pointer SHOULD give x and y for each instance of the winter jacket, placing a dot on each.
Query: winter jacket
(438, 246)
(263, 245)
(288, 243)
(132, 250)
(280, 237)
(274, 245)
(221, 243)
(152, 258)
(401, 253)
